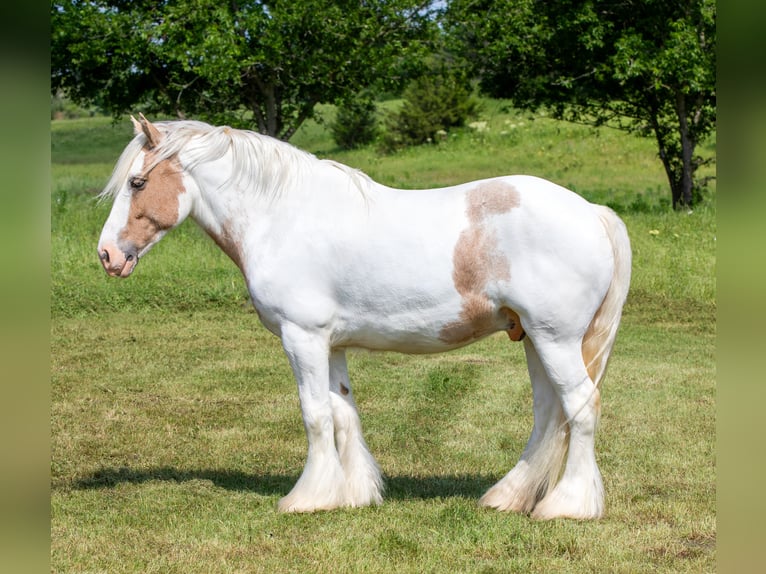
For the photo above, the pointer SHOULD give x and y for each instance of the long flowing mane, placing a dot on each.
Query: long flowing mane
(262, 164)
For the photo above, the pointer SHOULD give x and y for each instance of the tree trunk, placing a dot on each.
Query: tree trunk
(678, 169)
(263, 102)
(272, 112)
(665, 154)
(306, 111)
(687, 150)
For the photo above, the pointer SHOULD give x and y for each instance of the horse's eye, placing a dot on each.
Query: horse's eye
(137, 182)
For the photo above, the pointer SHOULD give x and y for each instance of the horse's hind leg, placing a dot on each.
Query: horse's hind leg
(364, 485)
(540, 463)
(579, 493)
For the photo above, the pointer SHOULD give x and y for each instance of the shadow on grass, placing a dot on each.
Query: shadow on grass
(396, 487)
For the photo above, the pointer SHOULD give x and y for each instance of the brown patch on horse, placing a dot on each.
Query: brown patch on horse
(154, 205)
(343, 390)
(477, 261)
(477, 319)
(491, 198)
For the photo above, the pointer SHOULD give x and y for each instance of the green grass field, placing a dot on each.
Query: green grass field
(175, 420)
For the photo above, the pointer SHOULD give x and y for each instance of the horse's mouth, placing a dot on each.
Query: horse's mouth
(128, 268)
(120, 269)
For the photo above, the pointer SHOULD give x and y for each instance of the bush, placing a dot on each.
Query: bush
(63, 108)
(433, 104)
(356, 123)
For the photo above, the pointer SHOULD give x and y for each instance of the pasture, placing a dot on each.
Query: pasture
(175, 420)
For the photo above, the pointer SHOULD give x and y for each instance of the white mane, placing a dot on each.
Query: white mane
(262, 164)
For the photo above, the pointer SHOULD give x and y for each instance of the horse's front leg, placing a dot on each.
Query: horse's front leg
(322, 484)
(364, 484)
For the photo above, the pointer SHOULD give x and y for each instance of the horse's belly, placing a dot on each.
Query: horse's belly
(419, 332)
(410, 343)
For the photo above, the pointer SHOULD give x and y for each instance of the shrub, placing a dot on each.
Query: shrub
(356, 123)
(433, 103)
(63, 108)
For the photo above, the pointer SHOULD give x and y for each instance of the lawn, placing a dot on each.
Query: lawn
(175, 420)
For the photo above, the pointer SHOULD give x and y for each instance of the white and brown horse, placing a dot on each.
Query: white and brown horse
(333, 260)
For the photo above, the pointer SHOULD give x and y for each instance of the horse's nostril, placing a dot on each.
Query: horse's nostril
(105, 256)
(129, 258)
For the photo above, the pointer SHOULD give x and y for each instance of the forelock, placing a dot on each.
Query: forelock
(122, 167)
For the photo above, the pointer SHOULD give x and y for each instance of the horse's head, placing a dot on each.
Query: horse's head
(150, 198)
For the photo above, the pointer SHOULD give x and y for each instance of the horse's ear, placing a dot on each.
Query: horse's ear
(137, 129)
(144, 126)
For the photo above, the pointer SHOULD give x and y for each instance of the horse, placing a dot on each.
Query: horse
(333, 260)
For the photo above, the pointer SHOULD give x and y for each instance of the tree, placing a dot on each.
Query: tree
(647, 66)
(260, 64)
(356, 123)
(439, 99)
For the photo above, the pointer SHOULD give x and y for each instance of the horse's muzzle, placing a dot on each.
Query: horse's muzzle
(115, 261)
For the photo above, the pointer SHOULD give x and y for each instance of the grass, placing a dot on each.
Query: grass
(175, 421)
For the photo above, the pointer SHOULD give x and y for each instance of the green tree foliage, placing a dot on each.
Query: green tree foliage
(356, 123)
(259, 64)
(647, 66)
(434, 102)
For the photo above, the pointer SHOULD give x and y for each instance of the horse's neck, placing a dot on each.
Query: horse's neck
(228, 208)
(220, 208)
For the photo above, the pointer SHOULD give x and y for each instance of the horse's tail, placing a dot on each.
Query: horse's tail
(602, 331)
